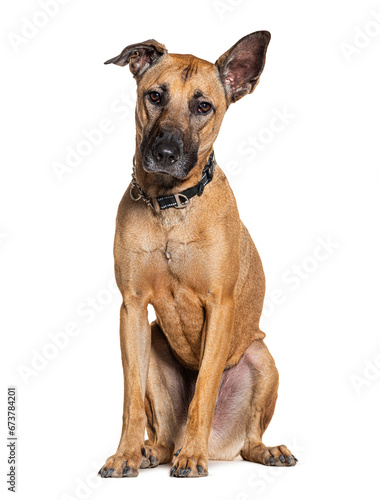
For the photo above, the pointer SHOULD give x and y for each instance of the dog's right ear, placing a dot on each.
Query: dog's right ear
(139, 56)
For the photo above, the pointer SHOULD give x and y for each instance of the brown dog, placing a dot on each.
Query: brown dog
(200, 378)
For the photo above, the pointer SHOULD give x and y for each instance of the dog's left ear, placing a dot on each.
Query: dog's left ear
(139, 56)
(241, 66)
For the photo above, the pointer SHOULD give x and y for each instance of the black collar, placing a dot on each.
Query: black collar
(178, 200)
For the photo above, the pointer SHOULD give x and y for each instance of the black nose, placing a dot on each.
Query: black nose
(165, 154)
(166, 150)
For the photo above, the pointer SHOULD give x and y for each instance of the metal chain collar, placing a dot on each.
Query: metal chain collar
(141, 195)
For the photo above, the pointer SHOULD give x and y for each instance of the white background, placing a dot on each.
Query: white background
(316, 179)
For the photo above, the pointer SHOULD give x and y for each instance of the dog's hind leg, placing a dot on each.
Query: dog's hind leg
(264, 396)
(245, 406)
(169, 391)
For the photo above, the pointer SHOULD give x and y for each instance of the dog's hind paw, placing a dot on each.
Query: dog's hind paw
(155, 455)
(278, 456)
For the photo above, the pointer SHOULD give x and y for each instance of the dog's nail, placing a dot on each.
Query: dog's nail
(100, 471)
(271, 460)
(143, 451)
(288, 459)
(151, 459)
(180, 472)
(104, 472)
(172, 471)
(185, 472)
(296, 459)
(200, 469)
(125, 471)
(178, 452)
(109, 473)
(282, 459)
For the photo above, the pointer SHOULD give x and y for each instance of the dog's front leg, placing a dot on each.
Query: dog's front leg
(192, 460)
(135, 339)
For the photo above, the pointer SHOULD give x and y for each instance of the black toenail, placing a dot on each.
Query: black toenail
(172, 471)
(178, 452)
(125, 471)
(296, 459)
(143, 451)
(104, 472)
(186, 472)
(200, 469)
(109, 473)
(151, 459)
(282, 459)
(180, 471)
(288, 459)
(100, 471)
(271, 460)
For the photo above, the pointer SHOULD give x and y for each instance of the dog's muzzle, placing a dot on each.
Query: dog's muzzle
(167, 150)
(166, 156)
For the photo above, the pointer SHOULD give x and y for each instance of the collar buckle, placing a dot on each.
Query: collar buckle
(181, 204)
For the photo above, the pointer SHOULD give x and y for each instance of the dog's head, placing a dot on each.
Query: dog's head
(181, 100)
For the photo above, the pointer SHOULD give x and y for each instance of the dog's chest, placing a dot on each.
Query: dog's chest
(179, 286)
(180, 262)
(179, 246)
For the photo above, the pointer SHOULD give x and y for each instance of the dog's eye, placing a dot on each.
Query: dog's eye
(155, 97)
(204, 107)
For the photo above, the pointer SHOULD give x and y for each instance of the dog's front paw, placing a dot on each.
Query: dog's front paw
(122, 465)
(189, 464)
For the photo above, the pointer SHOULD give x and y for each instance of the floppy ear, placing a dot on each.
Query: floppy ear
(241, 66)
(139, 56)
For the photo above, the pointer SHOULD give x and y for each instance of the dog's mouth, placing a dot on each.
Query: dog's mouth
(179, 169)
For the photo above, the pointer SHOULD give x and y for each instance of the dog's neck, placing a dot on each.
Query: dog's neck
(154, 184)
